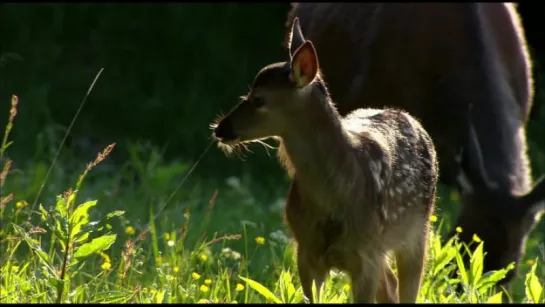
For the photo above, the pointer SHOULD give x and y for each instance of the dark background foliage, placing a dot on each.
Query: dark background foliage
(170, 68)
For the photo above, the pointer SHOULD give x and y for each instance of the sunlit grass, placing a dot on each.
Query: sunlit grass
(93, 239)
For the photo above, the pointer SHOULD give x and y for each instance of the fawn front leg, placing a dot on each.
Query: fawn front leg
(310, 269)
(387, 290)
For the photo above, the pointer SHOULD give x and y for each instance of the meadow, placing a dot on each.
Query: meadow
(129, 220)
(219, 242)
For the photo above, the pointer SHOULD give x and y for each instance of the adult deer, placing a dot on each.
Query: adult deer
(434, 60)
(363, 185)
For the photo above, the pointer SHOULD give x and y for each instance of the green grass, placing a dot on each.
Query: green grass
(99, 237)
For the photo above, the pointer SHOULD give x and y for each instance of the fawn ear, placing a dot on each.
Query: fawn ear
(304, 64)
(296, 38)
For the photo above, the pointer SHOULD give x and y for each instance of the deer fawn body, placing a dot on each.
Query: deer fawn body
(363, 185)
(434, 60)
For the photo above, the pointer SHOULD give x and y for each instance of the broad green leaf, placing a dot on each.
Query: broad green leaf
(476, 265)
(82, 237)
(44, 258)
(491, 278)
(60, 231)
(80, 217)
(71, 199)
(534, 289)
(461, 268)
(96, 245)
(495, 299)
(62, 206)
(259, 288)
(445, 256)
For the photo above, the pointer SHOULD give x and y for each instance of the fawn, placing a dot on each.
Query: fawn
(363, 185)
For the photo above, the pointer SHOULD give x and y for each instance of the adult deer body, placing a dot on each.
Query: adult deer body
(363, 185)
(436, 61)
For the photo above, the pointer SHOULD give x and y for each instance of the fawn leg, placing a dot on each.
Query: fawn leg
(387, 290)
(410, 266)
(310, 269)
(365, 277)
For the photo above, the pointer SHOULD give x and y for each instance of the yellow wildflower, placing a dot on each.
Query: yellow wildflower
(476, 238)
(458, 229)
(195, 275)
(106, 265)
(176, 269)
(530, 262)
(166, 236)
(153, 291)
(130, 230)
(204, 288)
(202, 301)
(208, 281)
(433, 218)
(260, 240)
(346, 287)
(105, 257)
(203, 257)
(239, 287)
(159, 260)
(21, 204)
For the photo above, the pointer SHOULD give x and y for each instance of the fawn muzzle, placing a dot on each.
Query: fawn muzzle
(224, 131)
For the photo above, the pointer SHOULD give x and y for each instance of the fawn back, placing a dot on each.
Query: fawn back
(436, 60)
(363, 185)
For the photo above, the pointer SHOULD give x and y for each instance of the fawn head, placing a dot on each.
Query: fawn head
(499, 217)
(277, 99)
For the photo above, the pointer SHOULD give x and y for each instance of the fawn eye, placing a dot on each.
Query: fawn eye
(258, 102)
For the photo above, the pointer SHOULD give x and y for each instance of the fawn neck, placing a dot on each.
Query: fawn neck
(318, 152)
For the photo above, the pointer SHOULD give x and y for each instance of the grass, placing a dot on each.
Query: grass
(99, 237)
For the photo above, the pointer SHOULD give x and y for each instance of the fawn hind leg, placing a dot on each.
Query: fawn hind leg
(410, 265)
(366, 274)
(387, 290)
(310, 269)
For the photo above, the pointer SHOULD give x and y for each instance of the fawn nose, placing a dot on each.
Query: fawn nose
(224, 131)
